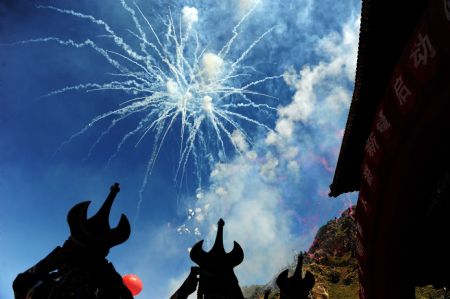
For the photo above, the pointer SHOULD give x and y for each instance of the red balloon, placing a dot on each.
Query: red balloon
(133, 283)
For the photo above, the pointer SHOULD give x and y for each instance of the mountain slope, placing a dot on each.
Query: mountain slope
(332, 260)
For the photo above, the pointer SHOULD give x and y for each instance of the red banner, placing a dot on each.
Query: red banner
(424, 59)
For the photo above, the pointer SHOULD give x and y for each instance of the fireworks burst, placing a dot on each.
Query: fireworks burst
(173, 79)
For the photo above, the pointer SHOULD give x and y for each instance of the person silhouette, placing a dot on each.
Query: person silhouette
(189, 285)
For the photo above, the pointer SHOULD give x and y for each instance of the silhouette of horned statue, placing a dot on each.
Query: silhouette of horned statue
(217, 278)
(295, 287)
(79, 269)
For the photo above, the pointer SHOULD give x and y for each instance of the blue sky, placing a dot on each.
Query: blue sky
(269, 181)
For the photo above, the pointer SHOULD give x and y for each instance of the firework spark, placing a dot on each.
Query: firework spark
(173, 79)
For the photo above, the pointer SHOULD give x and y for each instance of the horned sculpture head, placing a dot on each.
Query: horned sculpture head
(79, 268)
(217, 278)
(295, 287)
(95, 233)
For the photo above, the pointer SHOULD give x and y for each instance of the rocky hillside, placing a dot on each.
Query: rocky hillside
(332, 260)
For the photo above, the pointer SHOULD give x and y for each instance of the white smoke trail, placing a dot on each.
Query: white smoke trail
(173, 80)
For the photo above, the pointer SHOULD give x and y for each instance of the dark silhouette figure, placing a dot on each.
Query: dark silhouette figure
(295, 287)
(216, 278)
(189, 285)
(79, 269)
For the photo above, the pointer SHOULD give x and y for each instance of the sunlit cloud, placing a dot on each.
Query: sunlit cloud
(254, 196)
(189, 16)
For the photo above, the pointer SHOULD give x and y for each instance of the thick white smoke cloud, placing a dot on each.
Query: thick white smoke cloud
(189, 16)
(212, 66)
(240, 194)
(250, 191)
(341, 50)
(238, 139)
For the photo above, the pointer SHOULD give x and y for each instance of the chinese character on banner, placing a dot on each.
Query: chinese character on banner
(365, 204)
(359, 248)
(367, 174)
(401, 90)
(423, 51)
(372, 145)
(447, 9)
(362, 292)
(362, 275)
(382, 123)
(359, 229)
